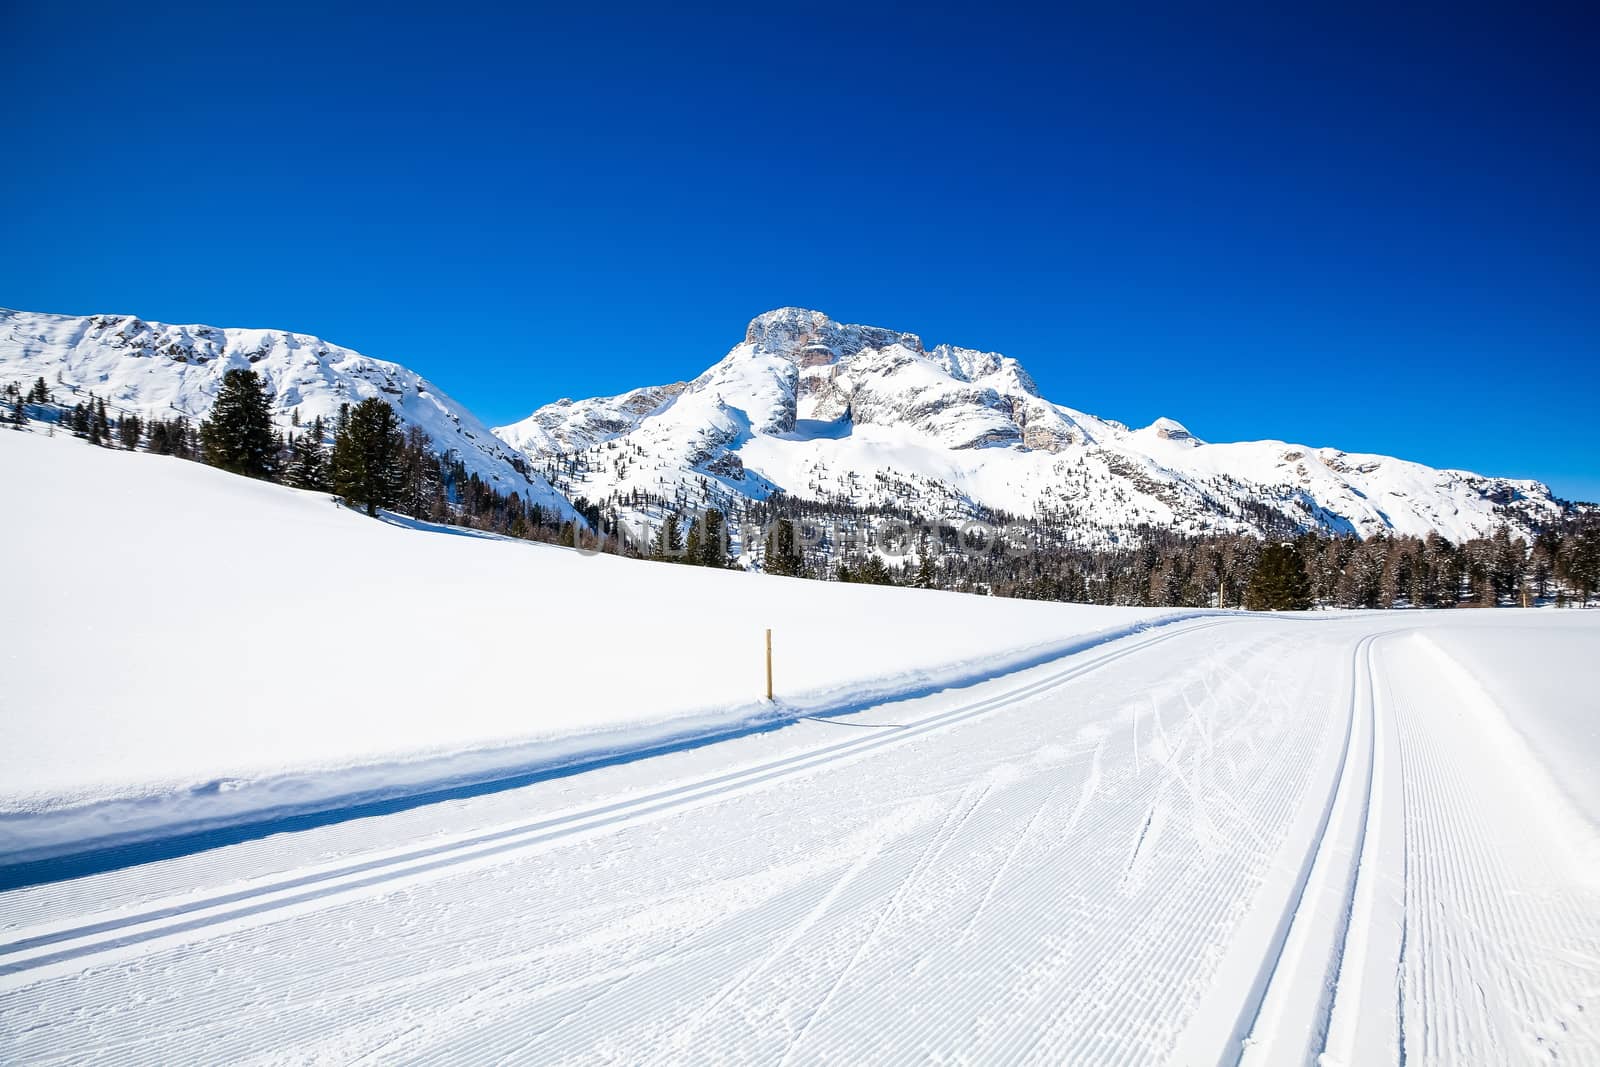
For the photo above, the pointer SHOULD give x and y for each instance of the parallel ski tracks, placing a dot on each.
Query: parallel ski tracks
(259, 902)
(1289, 1021)
(1421, 926)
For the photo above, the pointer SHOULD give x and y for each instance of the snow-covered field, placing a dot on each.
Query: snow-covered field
(191, 647)
(1365, 838)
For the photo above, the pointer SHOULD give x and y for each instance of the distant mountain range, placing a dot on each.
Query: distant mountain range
(872, 417)
(814, 409)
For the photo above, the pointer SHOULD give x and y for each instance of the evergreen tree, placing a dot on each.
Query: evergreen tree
(1443, 572)
(693, 544)
(1581, 565)
(238, 437)
(40, 393)
(421, 481)
(308, 459)
(19, 413)
(1279, 582)
(782, 554)
(367, 455)
(174, 438)
(712, 551)
(871, 571)
(668, 543)
(129, 430)
(100, 425)
(1543, 560)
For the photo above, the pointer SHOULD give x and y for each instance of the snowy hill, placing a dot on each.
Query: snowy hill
(871, 417)
(568, 426)
(162, 371)
(418, 653)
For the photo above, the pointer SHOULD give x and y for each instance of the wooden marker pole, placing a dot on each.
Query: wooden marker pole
(769, 664)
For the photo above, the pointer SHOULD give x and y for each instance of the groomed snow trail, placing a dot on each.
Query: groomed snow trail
(1500, 947)
(1257, 840)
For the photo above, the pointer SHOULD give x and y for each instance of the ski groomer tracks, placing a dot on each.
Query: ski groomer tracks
(1281, 841)
(1450, 912)
(259, 902)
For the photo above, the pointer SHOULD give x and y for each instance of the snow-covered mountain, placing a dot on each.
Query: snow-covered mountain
(162, 371)
(826, 411)
(571, 426)
(810, 407)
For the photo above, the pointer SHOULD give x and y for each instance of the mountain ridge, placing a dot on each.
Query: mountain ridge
(163, 370)
(813, 408)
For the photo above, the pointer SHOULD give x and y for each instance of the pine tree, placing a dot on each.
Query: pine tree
(668, 542)
(871, 571)
(129, 430)
(1443, 570)
(19, 413)
(782, 553)
(1581, 563)
(715, 550)
(40, 393)
(367, 456)
(1279, 582)
(421, 481)
(100, 425)
(238, 437)
(693, 547)
(308, 459)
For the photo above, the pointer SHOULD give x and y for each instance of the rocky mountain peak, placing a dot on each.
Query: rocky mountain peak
(810, 338)
(828, 410)
(1166, 429)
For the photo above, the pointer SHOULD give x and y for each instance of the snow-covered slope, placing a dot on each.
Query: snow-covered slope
(338, 642)
(1248, 840)
(870, 416)
(162, 371)
(568, 426)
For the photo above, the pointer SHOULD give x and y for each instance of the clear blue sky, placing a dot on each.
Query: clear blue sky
(1372, 229)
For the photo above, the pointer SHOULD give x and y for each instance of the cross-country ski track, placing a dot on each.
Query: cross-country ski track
(1226, 840)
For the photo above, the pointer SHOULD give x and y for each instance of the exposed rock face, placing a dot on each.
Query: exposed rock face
(1168, 430)
(729, 465)
(804, 336)
(896, 386)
